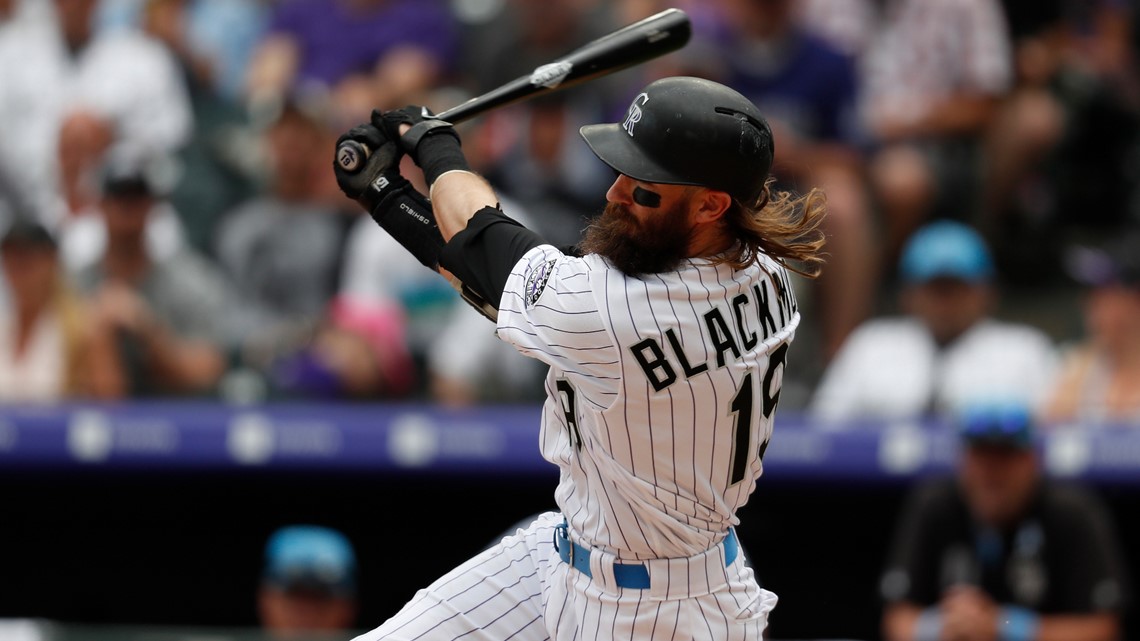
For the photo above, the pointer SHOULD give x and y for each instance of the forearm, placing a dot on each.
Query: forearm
(900, 622)
(102, 374)
(1087, 627)
(456, 196)
(962, 114)
(182, 365)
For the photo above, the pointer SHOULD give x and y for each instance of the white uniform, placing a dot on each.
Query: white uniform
(661, 394)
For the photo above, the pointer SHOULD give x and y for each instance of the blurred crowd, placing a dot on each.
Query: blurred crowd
(171, 224)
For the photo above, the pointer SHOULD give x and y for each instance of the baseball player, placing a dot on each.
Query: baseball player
(666, 332)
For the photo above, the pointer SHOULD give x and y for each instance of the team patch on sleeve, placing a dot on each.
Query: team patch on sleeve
(536, 280)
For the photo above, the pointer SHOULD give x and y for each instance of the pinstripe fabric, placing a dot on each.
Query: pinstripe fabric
(660, 401)
(520, 590)
(652, 476)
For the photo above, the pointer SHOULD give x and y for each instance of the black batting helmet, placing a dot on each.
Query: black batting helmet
(689, 131)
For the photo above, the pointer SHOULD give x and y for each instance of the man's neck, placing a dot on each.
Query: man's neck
(707, 241)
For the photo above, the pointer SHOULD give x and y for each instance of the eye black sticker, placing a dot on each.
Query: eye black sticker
(646, 198)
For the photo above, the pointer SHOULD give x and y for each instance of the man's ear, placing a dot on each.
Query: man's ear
(710, 205)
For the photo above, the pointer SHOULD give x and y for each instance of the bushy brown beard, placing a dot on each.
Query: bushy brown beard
(636, 248)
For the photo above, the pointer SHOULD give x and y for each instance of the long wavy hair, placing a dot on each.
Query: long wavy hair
(782, 225)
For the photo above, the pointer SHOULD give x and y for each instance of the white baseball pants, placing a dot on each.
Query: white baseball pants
(521, 590)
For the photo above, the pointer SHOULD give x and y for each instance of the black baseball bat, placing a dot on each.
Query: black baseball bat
(650, 38)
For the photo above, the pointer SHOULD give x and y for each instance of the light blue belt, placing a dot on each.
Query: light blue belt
(627, 575)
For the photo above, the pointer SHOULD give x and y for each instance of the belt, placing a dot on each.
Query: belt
(627, 575)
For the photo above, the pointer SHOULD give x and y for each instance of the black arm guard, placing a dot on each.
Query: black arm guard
(407, 216)
(483, 254)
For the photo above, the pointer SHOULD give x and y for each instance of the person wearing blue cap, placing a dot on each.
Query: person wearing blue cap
(1000, 553)
(946, 350)
(309, 582)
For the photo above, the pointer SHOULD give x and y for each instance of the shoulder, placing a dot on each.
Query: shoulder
(128, 46)
(191, 273)
(890, 330)
(19, 38)
(824, 54)
(935, 495)
(246, 218)
(547, 267)
(1014, 335)
(1073, 503)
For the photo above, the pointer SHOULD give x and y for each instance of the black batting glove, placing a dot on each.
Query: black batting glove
(432, 143)
(423, 123)
(380, 174)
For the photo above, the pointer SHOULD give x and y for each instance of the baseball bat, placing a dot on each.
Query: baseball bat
(644, 40)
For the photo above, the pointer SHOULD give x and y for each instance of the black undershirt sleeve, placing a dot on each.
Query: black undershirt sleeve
(483, 254)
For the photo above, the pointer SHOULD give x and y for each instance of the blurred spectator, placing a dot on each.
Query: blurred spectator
(218, 161)
(934, 72)
(12, 201)
(164, 311)
(849, 25)
(368, 53)
(282, 249)
(1100, 378)
(83, 237)
(531, 151)
(946, 352)
(807, 89)
(1003, 553)
(467, 365)
(67, 92)
(523, 34)
(357, 350)
(20, 13)
(49, 348)
(1059, 151)
(454, 348)
(217, 37)
(537, 158)
(377, 271)
(308, 584)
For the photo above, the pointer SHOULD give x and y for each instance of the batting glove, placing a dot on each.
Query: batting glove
(431, 142)
(380, 175)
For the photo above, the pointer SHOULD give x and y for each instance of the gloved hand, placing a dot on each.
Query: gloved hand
(431, 142)
(423, 123)
(380, 175)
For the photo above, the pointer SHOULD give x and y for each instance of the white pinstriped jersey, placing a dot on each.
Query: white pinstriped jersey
(661, 392)
(661, 395)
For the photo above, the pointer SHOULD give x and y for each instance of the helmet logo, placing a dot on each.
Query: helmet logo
(634, 115)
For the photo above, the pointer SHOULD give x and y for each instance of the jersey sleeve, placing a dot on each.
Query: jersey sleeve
(549, 311)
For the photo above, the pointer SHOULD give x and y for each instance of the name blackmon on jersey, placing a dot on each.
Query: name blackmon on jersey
(666, 345)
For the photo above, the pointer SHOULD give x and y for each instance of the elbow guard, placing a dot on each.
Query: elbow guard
(482, 256)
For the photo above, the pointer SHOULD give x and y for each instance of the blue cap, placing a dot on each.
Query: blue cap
(310, 557)
(946, 249)
(1009, 425)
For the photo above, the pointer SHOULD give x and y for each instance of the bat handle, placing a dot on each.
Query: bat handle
(351, 156)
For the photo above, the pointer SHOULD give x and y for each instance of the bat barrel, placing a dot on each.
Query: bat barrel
(647, 39)
(650, 38)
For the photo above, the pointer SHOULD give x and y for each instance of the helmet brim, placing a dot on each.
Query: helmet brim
(613, 146)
